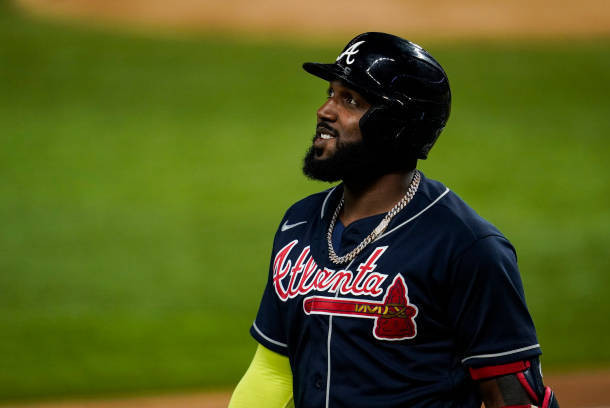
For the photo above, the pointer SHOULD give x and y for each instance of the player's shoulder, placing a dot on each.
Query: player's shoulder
(454, 214)
(312, 205)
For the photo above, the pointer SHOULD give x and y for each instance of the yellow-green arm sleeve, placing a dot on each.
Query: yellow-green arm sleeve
(266, 384)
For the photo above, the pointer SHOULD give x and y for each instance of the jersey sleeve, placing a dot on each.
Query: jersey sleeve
(268, 328)
(487, 306)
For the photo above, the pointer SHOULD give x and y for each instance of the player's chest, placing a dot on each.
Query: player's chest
(388, 282)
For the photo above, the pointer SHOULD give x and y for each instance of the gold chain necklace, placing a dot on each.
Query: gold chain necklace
(376, 232)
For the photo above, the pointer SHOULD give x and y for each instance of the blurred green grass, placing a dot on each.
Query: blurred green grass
(142, 179)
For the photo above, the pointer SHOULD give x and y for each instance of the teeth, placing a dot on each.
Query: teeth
(325, 136)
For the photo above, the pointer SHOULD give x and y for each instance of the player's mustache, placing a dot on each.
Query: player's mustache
(324, 127)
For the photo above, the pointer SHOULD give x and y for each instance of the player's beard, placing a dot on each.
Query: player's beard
(354, 163)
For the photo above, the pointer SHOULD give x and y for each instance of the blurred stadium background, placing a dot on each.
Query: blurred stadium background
(147, 156)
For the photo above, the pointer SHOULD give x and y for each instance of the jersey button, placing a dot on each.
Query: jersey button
(319, 383)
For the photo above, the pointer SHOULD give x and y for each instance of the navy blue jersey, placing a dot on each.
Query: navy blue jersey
(437, 292)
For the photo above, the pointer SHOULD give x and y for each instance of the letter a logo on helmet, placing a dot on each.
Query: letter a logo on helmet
(350, 52)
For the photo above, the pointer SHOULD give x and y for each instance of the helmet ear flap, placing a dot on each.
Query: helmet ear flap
(394, 127)
(381, 125)
(387, 128)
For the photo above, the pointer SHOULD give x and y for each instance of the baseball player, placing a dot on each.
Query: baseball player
(388, 290)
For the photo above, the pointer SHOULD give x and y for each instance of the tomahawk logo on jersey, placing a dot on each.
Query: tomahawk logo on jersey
(394, 316)
(437, 292)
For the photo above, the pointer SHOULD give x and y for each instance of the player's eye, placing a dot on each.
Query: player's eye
(350, 99)
(330, 93)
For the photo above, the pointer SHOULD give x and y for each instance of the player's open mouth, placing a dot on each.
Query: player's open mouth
(321, 139)
(325, 132)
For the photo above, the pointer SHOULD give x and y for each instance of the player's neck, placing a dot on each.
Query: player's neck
(377, 197)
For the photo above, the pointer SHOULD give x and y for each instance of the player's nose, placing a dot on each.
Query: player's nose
(328, 111)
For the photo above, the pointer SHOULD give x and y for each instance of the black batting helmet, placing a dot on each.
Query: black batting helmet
(407, 88)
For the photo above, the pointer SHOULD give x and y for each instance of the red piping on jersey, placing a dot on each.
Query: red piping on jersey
(547, 397)
(528, 387)
(481, 373)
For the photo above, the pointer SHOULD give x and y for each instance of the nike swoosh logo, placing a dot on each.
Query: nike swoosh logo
(287, 226)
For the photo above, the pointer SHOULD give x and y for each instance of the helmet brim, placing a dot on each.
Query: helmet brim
(328, 72)
(334, 72)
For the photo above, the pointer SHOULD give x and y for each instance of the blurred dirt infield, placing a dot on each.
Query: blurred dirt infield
(318, 18)
(576, 390)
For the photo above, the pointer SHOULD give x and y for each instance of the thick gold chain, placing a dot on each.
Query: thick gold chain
(381, 227)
